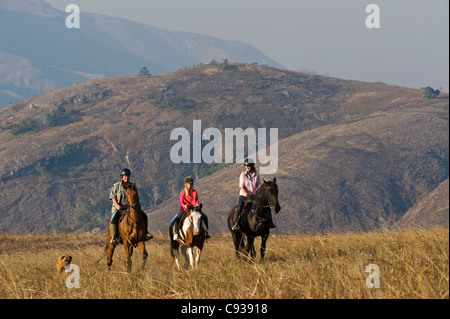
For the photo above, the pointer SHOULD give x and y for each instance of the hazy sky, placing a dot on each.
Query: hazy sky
(411, 47)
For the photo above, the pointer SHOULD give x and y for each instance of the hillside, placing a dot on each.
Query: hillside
(354, 176)
(349, 152)
(432, 209)
(39, 54)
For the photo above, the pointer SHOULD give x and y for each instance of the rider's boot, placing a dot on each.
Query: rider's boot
(237, 218)
(176, 230)
(147, 235)
(112, 233)
(205, 221)
(272, 224)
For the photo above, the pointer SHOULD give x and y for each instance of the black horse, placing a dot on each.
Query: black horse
(255, 220)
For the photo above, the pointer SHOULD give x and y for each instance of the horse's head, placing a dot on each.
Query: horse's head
(132, 195)
(271, 189)
(195, 217)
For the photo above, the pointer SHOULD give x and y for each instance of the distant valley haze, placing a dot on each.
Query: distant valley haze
(38, 53)
(409, 49)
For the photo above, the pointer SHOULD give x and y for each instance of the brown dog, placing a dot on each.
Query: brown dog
(62, 263)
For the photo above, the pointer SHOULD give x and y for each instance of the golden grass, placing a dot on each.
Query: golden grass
(412, 263)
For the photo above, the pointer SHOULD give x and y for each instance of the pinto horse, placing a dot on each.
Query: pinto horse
(132, 229)
(255, 220)
(193, 234)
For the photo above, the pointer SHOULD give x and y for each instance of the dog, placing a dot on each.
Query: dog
(63, 262)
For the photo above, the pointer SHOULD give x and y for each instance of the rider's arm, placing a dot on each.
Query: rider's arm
(182, 201)
(196, 202)
(116, 204)
(242, 185)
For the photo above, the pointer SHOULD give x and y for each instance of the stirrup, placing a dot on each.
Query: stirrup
(235, 227)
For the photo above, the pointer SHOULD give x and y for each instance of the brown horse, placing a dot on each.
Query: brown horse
(194, 235)
(132, 229)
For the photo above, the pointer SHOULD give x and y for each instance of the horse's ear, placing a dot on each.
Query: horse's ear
(274, 179)
(201, 205)
(134, 184)
(264, 181)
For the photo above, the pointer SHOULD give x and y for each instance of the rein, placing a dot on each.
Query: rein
(131, 208)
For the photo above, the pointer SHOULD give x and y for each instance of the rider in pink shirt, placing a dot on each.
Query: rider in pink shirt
(249, 182)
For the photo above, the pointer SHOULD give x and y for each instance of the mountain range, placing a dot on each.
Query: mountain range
(352, 156)
(38, 53)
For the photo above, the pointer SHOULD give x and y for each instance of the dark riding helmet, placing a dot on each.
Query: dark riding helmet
(249, 163)
(189, 180)
(126, 172)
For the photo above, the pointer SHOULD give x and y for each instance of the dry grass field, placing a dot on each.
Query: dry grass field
(412, 264)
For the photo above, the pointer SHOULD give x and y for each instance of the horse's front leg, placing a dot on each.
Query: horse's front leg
(144, 253)
(132, 238)
(110, 249)
(263, 245)
(128, 253)
(191, 256)
(183, 249)
(110, 254)
(175, 254)
(250, 249)
(197, 258)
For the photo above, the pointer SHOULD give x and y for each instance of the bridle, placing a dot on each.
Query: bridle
(262, 206)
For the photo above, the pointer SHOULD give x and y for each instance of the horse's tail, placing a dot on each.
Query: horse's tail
(105, 251)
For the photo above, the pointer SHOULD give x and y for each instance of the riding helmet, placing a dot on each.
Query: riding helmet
(126, 172)
(249, 163)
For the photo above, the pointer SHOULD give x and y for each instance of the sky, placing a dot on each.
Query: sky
(410, 48)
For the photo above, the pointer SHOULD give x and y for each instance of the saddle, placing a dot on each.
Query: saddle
(122, 214)
(247, 203)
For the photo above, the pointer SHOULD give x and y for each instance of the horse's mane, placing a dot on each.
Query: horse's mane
(260, 193)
